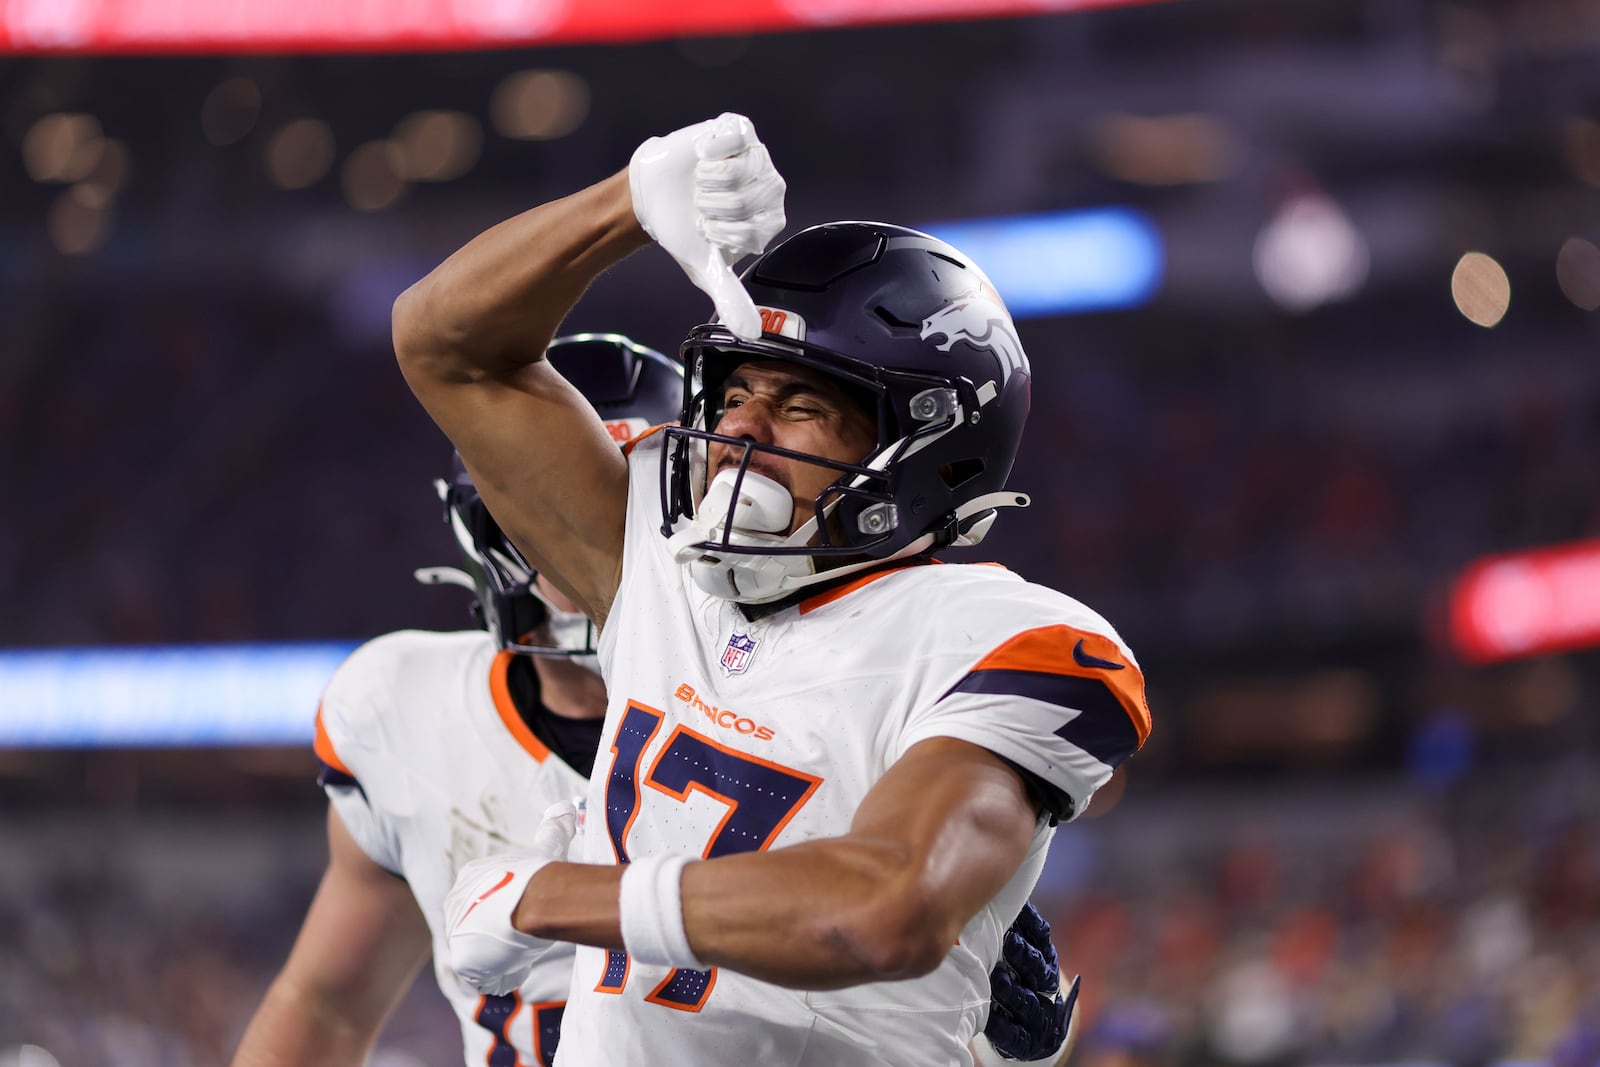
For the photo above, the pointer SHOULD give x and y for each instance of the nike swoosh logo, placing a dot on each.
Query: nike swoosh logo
(1086, 659)
(485, 895)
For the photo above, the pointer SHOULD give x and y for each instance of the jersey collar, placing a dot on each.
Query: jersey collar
(827, 595)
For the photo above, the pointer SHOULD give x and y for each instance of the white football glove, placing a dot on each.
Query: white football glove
(490, 954)
(709, 195)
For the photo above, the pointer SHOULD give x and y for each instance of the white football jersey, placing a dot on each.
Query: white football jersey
(760, 734)
(430, 766)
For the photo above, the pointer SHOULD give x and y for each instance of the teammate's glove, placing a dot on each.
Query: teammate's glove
(1031, 1021)
(490, 954)
(709, 195)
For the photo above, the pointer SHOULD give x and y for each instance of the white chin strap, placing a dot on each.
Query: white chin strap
(763, 511)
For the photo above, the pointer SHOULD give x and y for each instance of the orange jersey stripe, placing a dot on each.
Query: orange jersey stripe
(828, 596)
(629, 446)
(838, 592)
(322, 745)
(1067, 650)
(501, 691)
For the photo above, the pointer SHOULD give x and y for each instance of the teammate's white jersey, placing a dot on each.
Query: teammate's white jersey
(725, 735)
(430, 766)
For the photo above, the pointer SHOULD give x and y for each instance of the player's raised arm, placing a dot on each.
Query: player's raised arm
(361, 945)
(470, 336)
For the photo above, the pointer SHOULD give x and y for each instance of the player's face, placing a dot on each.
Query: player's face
(793, 407)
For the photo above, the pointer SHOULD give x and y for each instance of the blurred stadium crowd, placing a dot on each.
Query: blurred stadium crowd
(182, 429)
(1175, 497)
(1363, 924)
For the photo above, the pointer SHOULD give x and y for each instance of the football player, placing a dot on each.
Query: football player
(830, 768)
(438, 748)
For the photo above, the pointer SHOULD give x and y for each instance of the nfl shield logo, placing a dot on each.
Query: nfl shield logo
(737, 654)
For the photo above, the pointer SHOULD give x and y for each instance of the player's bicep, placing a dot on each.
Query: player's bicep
(962, 817)
(550, 474)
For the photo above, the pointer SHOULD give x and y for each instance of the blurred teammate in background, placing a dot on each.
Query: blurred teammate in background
(439, 748)
(831, 771)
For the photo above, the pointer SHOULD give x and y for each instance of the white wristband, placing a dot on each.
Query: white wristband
(650, 906)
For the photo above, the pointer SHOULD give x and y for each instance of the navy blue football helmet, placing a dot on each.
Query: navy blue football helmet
(631, 388)
(915, 330)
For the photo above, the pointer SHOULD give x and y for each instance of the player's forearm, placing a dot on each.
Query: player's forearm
(494, 305)
(291, 1029)
(821, 915)
(360, 947)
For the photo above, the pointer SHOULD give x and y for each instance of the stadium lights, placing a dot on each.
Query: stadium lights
(29, 1056)
(193, 695)
(1065, 261)
(212, 26)
(104, 182)
(539, 105)
(62, 147)
(299, 154)
(1481, 289)
(1523, 604)
(1310, 254)
(371, 177)
(1164, 150)
(1578, 273)
(437, 146)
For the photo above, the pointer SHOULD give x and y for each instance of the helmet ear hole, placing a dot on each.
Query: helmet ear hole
(957, 474)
